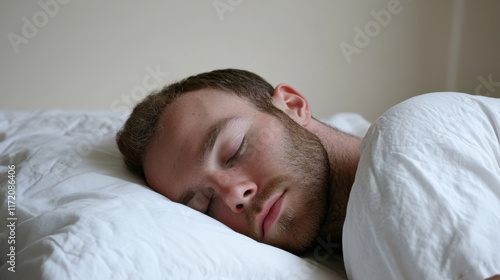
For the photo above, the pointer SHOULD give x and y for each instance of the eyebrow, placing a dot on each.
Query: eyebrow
(208, 143)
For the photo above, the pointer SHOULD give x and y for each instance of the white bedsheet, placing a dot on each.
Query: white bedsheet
(81, 215)
(426, 200)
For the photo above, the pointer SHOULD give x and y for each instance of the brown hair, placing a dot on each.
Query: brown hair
(140, 128)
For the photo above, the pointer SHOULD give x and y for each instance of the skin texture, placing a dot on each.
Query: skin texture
(219, 155)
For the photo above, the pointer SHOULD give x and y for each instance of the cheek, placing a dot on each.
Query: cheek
(266, 162)
(268, 148)
(263, 153)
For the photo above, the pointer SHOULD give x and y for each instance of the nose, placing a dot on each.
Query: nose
(237, 193)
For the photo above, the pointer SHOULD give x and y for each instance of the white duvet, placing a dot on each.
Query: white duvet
(79, 214)
(426, 200)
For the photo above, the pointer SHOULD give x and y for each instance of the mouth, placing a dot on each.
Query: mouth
(270, 213)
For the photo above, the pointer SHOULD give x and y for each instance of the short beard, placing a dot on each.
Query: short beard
(309, 172)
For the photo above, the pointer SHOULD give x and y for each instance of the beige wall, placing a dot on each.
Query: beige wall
(104, 54)
(479, 59)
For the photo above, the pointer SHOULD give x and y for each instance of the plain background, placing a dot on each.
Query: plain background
(99, 54)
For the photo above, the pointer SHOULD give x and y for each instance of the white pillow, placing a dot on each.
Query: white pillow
(82, 215)
(352, 123)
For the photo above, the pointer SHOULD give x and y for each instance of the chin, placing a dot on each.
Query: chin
(298, 226)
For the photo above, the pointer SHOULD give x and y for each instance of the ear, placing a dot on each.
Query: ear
(290, 101)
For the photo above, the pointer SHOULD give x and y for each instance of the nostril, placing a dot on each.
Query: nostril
(247, 193)
(239, 206)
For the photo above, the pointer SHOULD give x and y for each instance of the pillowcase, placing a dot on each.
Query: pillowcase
(425, 203)
(79, 214)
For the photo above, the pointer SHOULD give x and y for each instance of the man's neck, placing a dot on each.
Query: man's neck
(343, 153)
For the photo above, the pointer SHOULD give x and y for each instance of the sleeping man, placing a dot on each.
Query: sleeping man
(417, 198)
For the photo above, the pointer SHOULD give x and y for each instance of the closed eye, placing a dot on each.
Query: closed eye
(237, 148)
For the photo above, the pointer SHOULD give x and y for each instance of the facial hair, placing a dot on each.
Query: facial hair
(307, 180)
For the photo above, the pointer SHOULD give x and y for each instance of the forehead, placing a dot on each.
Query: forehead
(188, 117)
(194, 106)
(173, 152)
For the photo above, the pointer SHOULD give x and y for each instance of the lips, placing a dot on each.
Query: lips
(270, 213)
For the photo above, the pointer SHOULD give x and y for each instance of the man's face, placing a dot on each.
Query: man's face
(263, 176)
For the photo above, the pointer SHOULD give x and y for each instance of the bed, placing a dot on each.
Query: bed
(70, 210)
